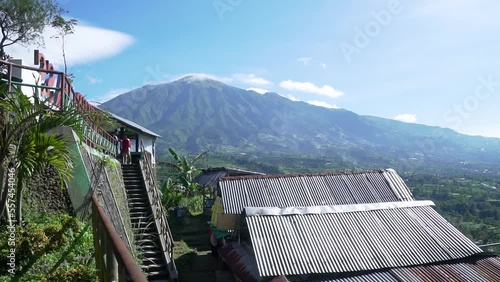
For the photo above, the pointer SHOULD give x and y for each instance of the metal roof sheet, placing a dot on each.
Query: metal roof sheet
(211, 176)
(129, 123)
(312, 189)
(337, 242)
(470, 269)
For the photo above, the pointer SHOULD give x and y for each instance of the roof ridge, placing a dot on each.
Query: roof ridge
(291, 175)
(327, 209)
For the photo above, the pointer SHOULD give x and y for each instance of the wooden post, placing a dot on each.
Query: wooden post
(10, 78)
(111, 263)
(97, 244)
(62, 90)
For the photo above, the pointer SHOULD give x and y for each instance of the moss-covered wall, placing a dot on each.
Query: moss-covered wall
(101, 174)
(44, 194)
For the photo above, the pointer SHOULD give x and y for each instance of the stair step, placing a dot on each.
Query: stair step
(149, 253)
(139, 199)
(153, 259)
(136, 189)
(143, 223)
(153, 267)
(145, 235)
(138, 205)
(137, 195)
(139, 209)
(145, 227)
(145, 241)
(141, 192)
(134, 186)
(150, 244)
(141, 214)
(141, 218)
(157, 275)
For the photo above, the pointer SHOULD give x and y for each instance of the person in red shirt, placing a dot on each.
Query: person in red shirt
(126, 158)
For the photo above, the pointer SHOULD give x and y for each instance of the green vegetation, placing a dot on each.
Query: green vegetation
(23, 21)
(64, 28)
(178, 189)
(28, 146)
(50, 248)
(470, 204)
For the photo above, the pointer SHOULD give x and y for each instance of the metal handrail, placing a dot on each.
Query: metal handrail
(68, 97)
(112, 256)
(167, 241)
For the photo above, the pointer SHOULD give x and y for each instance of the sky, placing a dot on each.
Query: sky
(429, 62)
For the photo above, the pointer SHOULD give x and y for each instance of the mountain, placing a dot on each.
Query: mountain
(197, 113)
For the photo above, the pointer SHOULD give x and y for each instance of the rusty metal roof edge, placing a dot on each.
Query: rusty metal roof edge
(274, 211)
(233, 169)
(229, 178)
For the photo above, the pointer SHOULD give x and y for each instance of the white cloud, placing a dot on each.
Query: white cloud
(258, 90)
(304, 60)
(308, 87)
(87, 44)
(322, 104)
(289, 97)
(112, 94)
(411, 118)
(323, 65)
(484, 13)
(251, 79)
(94, 80)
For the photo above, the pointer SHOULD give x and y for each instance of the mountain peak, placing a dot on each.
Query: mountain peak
(197, 77)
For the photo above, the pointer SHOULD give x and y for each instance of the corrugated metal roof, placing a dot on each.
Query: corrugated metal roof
(470, 269)
(312, 189)
(130, 123)
(210, 177)
(298, 244)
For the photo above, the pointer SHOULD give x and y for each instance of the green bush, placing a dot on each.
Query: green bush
(80, 273)
(50, 248)
(193, 204)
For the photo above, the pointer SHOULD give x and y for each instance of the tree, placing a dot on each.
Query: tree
(29, 131)
(64, 27)
(185, 170)
(23, 21)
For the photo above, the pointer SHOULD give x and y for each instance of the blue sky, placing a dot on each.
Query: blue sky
(429, 62)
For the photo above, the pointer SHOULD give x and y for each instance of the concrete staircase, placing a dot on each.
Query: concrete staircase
(143, 224)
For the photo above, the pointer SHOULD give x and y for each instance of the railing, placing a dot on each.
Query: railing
(113, 260)
(154, 194)
(62, 97)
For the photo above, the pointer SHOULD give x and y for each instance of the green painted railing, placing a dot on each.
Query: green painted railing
(63, 97)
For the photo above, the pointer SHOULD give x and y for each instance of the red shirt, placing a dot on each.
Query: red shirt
(125, 144)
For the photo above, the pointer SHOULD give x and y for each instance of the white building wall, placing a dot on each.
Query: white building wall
(149, 143)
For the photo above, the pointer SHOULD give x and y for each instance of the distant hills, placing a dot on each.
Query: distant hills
(194, 114)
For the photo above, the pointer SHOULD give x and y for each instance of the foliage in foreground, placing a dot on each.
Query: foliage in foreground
(181, 191)
(50, 248)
